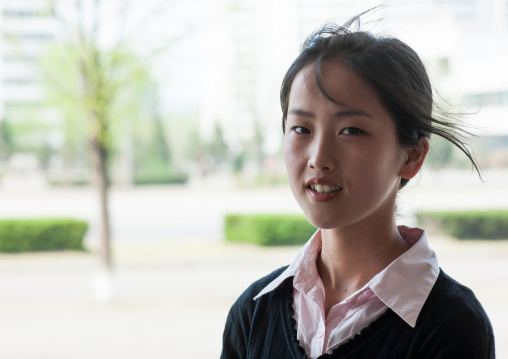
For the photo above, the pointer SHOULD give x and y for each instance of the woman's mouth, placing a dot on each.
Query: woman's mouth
(321, 192)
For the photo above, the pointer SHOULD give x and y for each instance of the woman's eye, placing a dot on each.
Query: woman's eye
(351, 131)
(300, 129)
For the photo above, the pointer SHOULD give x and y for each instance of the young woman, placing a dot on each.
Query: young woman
(357, 117)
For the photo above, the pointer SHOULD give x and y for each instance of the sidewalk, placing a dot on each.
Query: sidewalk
(173, 297)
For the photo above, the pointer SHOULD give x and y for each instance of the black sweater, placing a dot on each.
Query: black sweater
(451, 325)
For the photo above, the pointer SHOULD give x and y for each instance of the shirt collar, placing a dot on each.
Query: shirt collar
(403, 286)
(406, 283)
(306, 257)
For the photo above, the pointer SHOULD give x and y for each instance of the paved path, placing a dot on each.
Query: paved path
(171, 291)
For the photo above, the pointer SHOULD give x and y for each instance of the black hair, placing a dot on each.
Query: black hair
(394, 70)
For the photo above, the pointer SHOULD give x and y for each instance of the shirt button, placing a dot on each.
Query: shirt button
(320, 333)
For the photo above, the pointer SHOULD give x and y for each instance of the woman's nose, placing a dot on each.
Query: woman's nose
(321, 156)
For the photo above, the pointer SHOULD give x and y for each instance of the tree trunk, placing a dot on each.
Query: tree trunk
(101, 179)
(104, 282)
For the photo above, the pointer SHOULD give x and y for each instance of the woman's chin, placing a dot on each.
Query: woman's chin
(323, 222)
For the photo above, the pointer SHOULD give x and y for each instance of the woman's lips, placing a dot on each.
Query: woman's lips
(321, 189)
(322, 197)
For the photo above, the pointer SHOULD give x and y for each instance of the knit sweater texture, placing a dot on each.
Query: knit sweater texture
(451, 325)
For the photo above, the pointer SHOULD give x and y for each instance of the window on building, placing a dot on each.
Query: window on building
(488, 99)
(10, 13)
(28, 36)
(443, 66)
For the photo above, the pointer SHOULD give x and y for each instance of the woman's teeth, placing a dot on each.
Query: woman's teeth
(324, 188)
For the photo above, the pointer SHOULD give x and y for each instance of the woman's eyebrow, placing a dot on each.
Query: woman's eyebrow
(340, 114)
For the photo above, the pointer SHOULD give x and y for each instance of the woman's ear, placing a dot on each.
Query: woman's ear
(415, 158)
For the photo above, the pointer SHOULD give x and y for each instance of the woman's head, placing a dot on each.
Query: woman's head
(391, 68)
(343, 157)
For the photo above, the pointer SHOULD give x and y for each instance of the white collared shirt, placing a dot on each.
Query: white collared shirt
(402, 286)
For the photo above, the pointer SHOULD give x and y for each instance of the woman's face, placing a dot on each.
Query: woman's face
(343, 161)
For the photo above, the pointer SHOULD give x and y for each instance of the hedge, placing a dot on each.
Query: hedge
(158, 176)
(492, 224)
(26, 235)
(268, 229)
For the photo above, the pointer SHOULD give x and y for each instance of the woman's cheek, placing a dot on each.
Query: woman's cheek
(291, 151)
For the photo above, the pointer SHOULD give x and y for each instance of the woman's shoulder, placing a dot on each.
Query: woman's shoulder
(453, 307)
(449, 296)
(248, 319)
(453, 321)
(245, 306)
(256, 287)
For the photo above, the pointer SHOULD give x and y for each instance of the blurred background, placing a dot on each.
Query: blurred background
(150, 121)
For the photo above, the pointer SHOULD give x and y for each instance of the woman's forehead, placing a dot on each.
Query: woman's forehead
(340, 85)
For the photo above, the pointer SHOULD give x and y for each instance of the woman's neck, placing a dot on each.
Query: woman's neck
(351, 257)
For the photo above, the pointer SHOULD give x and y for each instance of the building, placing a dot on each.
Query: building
(464, 44)
(26, 27)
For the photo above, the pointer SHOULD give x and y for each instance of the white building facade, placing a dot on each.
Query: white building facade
(464, 44)
(26, 27)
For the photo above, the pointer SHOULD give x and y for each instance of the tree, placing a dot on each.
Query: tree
(6, 144)
(98, 75)
(217, 147)
(95, 47)
(152, 159)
